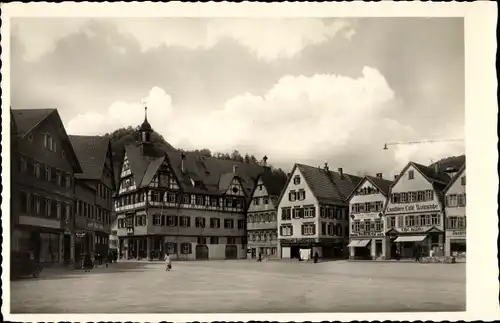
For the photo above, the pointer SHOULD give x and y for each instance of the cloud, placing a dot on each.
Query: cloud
(268, 39)
(325, 117)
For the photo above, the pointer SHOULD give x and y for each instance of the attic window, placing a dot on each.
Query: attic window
(296, 179)
(48, 142)
(411, 174)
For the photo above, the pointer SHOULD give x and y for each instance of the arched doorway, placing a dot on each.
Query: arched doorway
(231, 251)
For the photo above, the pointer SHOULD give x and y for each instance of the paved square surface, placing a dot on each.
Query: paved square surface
(245, 286)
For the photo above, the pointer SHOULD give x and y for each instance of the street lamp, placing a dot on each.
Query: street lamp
(417, 142)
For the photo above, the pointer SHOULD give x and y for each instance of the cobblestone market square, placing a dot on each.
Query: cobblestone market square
(244, 287)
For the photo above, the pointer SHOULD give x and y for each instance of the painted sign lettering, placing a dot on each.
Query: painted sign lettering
(299, 240)
(458, 233)
(413, 207)
(367, 234)
(414, 229)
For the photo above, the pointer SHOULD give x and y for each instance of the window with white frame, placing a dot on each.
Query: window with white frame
(186, 199)
(157, 219)
(200, 200)
(37, 204)
(309, 212)
(331, 229)
(435, 220)
(200, 222)
(301, 195)
(355, 226)
(292, 196)
(296, 179)
(452, 200)
(429, 195)
(391, 222)
(171, 247)
(256, 201)
(48, 142)
(286, 230)
(404, 197)
(378, 225)
(420, 196)
(185, 221)
(453, 222)
(67, 212)
(461, 222)
(411, 174)
(48, 207)
(412, 197)
(228, 224)
(297, 213)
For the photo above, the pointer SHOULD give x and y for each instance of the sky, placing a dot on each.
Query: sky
(304, 90)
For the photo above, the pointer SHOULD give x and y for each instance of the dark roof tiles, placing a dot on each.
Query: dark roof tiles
(27, 119)
(91, 153)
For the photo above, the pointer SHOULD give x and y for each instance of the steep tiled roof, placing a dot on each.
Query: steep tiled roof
(329, 186)
(431, 173)
(144, 162)
(91, 152)
(27, 119)
(211, 174)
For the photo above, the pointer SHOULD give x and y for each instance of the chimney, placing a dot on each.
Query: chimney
(326, 167)
(379, 175)
(183, 158)
(341, 172)
(235, 167)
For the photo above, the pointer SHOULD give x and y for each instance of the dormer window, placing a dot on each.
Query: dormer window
(296, 179)
(411, 174)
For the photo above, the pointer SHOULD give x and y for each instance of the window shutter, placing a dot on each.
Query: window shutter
(313, 211)
(301, 212)
(176, 220)
(302, 229)
(290, 196)
(314, 229)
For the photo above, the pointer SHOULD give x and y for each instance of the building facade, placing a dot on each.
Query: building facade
(455, 210)
(313, 213)
(42, 192)
(367, 238)
(189, 206)
(94, 189)
(414, 215)
(262, 224)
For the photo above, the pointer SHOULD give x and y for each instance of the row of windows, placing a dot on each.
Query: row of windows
(333, 212)
(367, 207)
(367, 226)
(172, 197)
(48, 173)
(185, 248)
(262, 217)
(93, 212)
(34, 204)
(104, 192)
(215, 240)
(257, 200)
(456, 222)
(413, 220)
(328, 228)
(299, 195)
(307, 229)
(262, 236)
(411, 197)
(298, 212)
(456, 200)
(182, 221)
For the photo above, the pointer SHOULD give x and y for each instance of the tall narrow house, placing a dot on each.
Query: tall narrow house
(313, 212)
(456, 216)
(262, 224)
(189, 206)
(44, 165)
(93, 193)
(366, 231)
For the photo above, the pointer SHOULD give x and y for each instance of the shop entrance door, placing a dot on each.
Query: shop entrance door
(378, 248)
(67, 248)
(294, 252)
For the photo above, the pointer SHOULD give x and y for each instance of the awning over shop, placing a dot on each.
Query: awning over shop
(359, 243)
(410, 238)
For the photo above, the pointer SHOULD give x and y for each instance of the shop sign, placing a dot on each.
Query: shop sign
(414, 229)
(299, 240)
(92, 225)
(80, 234)
(364, 216)
(458, 233)
(367, 234)
(413, 207)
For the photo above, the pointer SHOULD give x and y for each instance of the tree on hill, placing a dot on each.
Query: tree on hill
(454, 161)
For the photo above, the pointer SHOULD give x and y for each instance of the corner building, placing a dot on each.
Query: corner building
(313, 212)
(192, 207)
(456, 216)
(367, 238)
(414, 216)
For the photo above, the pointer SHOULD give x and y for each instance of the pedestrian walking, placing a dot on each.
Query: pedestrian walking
(87, 263)
(417, 254)
(168, 263)
(260, 257)
(316, 256)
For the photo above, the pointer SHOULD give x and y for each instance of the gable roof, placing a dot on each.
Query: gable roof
(26, 120)
(454, 179)
(431, 174)
(384, 185)
(91, 152)
(274, 182)
(327, 186)
(211, 174)
(144, 162)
